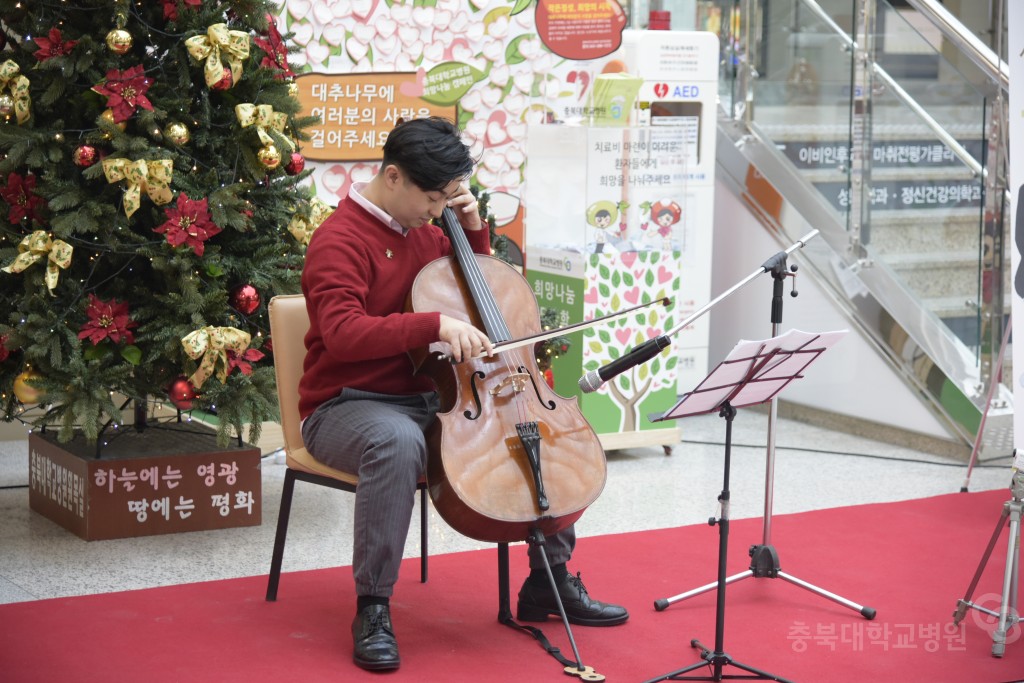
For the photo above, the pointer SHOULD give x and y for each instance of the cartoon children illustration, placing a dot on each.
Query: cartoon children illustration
(601, 215)
(664, 213)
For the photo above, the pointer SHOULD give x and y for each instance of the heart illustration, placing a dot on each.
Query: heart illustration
(364, 33)
(322, 13)
(623, 335)
(414, 88)
(632, 296)
(408, 34)
(499, 75)
(581, 77)
(385, 46)
(362, 9)
(299, 9)
(660, 89)
(334, 179)
(442, 19)
(591, 296)
(628, 258)
(471, 101)
(423, 16)
(460, 51)
(317, 53)
(355, 49)
(496, 134)
(334, 33)
(652, 332)
(401, 13)
(386, 26)
(434, 52)
(476, 128)
(491, 97)
(663, 275)
(494, 162)
(363, 172)
(303, 33)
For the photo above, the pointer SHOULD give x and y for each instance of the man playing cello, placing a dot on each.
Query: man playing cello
(363, 410)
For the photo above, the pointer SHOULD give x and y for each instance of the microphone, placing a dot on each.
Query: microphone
(593, 380)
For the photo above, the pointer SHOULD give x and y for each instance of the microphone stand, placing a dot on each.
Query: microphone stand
(764, 558)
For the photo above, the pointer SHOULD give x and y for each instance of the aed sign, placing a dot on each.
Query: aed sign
(676, 92)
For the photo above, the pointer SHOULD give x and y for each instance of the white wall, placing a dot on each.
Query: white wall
(850, 379)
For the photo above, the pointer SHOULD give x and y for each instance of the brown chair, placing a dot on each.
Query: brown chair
(289, 323)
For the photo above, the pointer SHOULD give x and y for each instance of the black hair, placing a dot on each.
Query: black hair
(429, 151)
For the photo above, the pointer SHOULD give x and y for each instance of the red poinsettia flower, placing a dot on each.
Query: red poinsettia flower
(107, 320)
(188, 223)
(53, 46)
(4, 351)
(239, 361)
(171, 8)
(125, 91)
(23, 202)
(275, 49)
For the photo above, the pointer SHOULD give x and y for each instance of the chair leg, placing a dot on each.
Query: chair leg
(423, 535)
(282, 533)
(504, 598)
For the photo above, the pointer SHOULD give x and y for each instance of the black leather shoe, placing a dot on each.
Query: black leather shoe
(536, 603)
(376, 647)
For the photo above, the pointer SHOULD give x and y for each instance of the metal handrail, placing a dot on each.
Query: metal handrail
(978, 52)
(941, 133)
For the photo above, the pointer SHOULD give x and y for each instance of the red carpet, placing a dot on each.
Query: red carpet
(911, 561)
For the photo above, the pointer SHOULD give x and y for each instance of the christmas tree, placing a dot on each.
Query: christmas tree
(151, 203)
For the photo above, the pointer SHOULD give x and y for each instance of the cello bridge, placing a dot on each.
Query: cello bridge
(516, 381)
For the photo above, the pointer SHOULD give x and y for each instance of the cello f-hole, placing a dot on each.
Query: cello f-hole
(550, 405)
(476, 396)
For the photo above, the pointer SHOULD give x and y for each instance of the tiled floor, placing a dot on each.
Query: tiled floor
(646, 489)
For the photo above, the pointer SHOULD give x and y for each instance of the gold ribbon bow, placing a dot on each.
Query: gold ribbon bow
(152, 176)
(10, 77)
(213, 344)
(37, 246)
(303, 224)
(218, 39)
(263, 117)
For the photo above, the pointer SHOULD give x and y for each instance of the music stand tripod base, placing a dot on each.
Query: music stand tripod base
(754, 372)
(798, 349)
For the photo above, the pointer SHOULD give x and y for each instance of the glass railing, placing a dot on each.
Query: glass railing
(891, 132)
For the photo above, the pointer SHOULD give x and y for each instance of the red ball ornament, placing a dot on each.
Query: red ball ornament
(84, 156)
(225, 82)
(295, 164)
(245, 299)
(181, 392)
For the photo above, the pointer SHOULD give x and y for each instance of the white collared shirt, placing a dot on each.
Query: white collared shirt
(355, 194)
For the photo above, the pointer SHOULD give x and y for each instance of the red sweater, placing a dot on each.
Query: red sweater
(359, 333)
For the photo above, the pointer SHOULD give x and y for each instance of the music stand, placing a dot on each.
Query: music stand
(754, 372)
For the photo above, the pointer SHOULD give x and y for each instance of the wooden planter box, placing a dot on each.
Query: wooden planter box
(166, 479)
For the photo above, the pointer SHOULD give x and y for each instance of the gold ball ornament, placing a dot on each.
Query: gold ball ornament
(24, 390)
(119, 41)
(293, 89)
(177, 133)
(6, 106)
(108, 116)
(269, 157)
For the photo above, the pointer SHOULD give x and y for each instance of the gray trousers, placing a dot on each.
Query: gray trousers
(379, 438)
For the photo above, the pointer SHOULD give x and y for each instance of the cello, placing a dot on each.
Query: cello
(506, 454)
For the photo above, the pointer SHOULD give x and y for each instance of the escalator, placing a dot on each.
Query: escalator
(882, 125)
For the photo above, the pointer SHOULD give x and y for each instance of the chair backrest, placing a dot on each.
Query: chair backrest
(289, 323)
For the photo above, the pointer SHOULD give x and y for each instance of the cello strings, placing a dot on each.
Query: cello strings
(494, 322)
